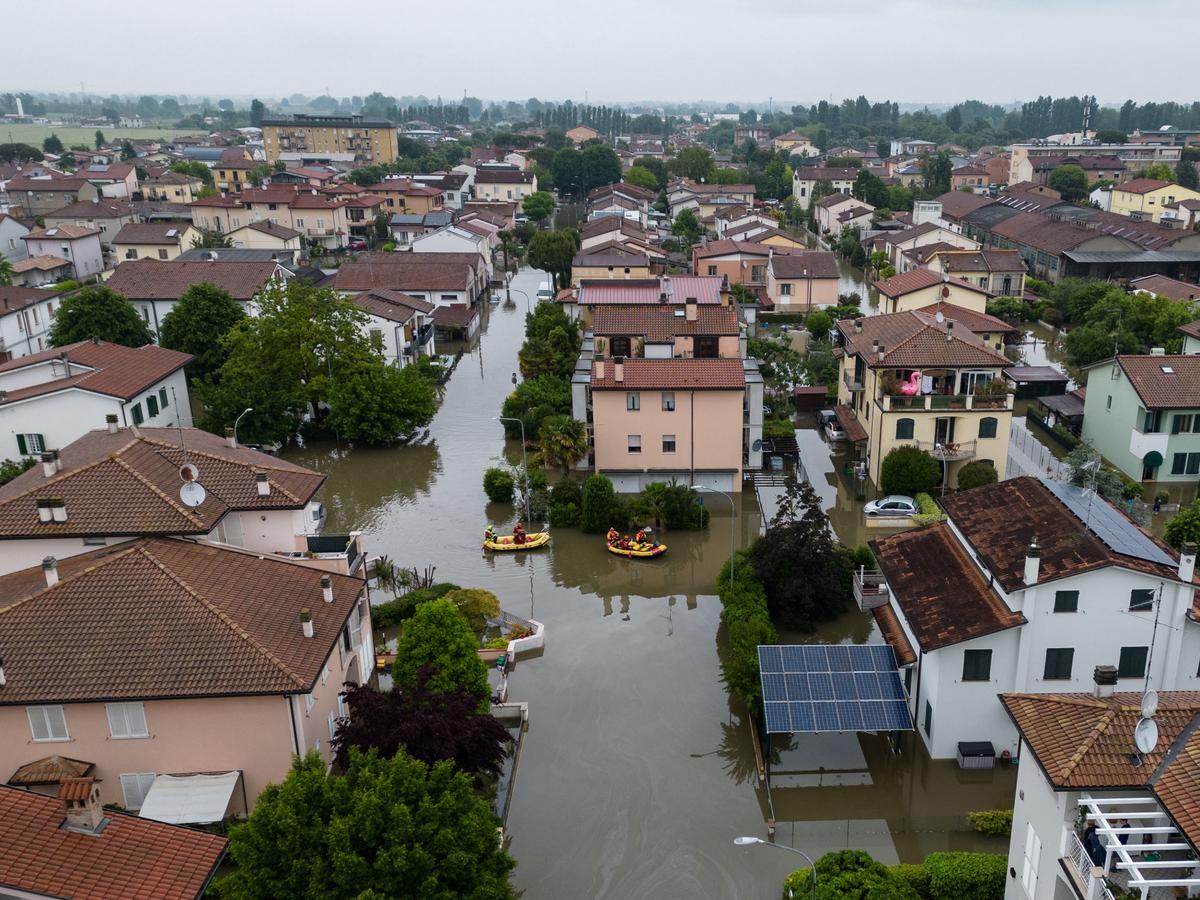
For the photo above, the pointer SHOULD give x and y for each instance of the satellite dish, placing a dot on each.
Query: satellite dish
(756, 446)
(940, 318)
(1149, 704)
(188, 472)
(1145, 735)
(192, 494)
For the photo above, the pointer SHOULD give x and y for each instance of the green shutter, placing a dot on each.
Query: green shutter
(21, 448)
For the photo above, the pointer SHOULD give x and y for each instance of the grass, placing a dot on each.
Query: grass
(34, 134)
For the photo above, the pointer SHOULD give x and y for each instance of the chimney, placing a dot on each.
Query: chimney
(3, 677)
(618, 369)
(43, 510)
(230, 439)
(48, 466)
(1104, 681)
(949, 330)
(111, 422)
(58, 510)
(50, 568)
(57, 460)
(881, 351)
(1033, 562)
(858, 325)
(264, 486)
(1187, 562)
(80, 798)
(306, 624)
(327, 588)
(599, 370)
(690, 307)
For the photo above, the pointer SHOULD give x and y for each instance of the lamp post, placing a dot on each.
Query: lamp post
(746, 841)
(732, 523)
(523, 294)
(524, 457)
(248, 409)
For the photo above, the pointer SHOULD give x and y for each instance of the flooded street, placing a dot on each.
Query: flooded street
(636, 773)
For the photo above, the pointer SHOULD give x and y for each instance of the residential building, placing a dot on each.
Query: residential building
(106, 216)
(581, 134)
(840, 211)
(265, 235)
(441, 278)
(367, 140)
(1028, 160)
(919, 288)
(1000, 272)
(706, 200)
(1146, 199)
(39, 195)
(402, 195)
(896, 244)
(652, 332)
(1181, 214)
(111, 179)
(740, 262)
(406, 227)
(795, 144)
(155, 286)
(759, 134)
(767, 235)
(153, 240)
(802, 280)
(503, 183)
(734, 218)
(1027, 588)
(805, 178)
(969, 178)
(948, 209)
(80, 247)
(25, 318)
(614, 229)
(1081, 769)
(12, 239)
(52, 397)
(671, 291)
(69, 846)
(175, 187)
(241, 660)
(459, 238)
(400, 326)
(916, 378)
(612, 262)
(38, 271)
(1163, 286)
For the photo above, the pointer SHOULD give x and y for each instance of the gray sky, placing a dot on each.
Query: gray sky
(616, 50)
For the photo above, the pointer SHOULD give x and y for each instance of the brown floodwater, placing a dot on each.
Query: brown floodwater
(637, 771)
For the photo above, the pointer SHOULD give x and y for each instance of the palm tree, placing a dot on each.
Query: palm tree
(507, 243)
(564, 441)
(6, 272)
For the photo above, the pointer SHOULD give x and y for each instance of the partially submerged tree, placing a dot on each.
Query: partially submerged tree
(98, 312)
(438, 636)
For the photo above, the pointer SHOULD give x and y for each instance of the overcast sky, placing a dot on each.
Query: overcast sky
(932, 51)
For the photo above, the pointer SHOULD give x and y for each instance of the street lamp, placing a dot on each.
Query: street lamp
(732, 523)
(523, 294)
(745, 841)
(524, 458)
(248, 409)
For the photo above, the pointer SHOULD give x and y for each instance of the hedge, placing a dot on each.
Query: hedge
(854, 875)
(744, 610)
(393, 612)
(915, 876)
(966, 876)
(994, 822)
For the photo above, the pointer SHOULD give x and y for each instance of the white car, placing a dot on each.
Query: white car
(893, 505)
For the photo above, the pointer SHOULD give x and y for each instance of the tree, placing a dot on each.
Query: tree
(1184, 527)
(938, 169)
(386, 828)
(6, 271)
(1087, 469)
(564, 441)
(640, 176)
(20, 153)
(476, 606)
(803, 569)
(1096, 341)
(534, 400)
(210, 239)
(437, 636)
(498, 484)
(1070, 181)
(976, 474)
(383, 227)
(909, 470)
(538, 205)
(692, 162)
(599, 165)
(1158, 171)
(850, 873)
(98, 312)
(52, 144)
(553, 252)
(599, 508)
(687, 227)
(99, 139)
(127, 151)
(818, 323)
(193, 168)
(870, 188)
(954, 119)
(1111, 136)
(426, 725)
(196, 324)
(1186, 175)
(376, 402)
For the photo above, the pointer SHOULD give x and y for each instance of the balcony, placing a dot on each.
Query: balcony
(870, 589)
(341, 553)
(852, 380)
(949, 451)
(891, 402)
(420, 339)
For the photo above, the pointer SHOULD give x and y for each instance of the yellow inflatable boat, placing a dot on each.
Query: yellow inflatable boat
(503, 543)
(638, 551)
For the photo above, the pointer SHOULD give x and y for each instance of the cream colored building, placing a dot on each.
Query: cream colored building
(153, 240)
(955, 407)
(369, 140)
(173, 187)
(1144, 198)
(919, 288)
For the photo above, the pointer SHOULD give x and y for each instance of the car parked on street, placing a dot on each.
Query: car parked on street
(892, 505)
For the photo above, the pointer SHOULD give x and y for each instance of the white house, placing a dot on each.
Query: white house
(1015, 593)
(25, 316)
(51, 398)
(805, 178)
(12, 239)
(401, 326)
(78, 246)
(1081, 768)
(503, 183)
(456, 239)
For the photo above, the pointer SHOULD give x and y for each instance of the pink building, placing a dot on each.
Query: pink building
(165, 656)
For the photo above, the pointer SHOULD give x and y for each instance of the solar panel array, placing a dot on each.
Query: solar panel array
(1114, 530)
(832, 687)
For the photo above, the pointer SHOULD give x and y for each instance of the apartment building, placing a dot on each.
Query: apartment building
(364, 139)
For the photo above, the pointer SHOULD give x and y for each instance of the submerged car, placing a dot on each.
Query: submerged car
(893, 505)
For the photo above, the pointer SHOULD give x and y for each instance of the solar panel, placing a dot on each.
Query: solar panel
(832, 687)
(1112, 528)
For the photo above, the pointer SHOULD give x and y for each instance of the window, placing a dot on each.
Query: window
(635, 443)
(309, 700)
(47, 723)
(633, 401)
(1185, 464)
(94, 541)
(138, 418)
(668, 401)
(135, 786)
(1066, 601)
(987, 427)
(1133, 662)
(928, 720)
(162, 398)
(127, 720)
(904, 429)
(1181, 423)
(1058, 664)
(162, 254)
(1151, 420)
(977, 665)
(1141, 599)
(668, 443)
(28, 444)
(712, 270)
(152, 406)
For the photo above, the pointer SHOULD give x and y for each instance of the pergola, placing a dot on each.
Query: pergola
(1151, 850)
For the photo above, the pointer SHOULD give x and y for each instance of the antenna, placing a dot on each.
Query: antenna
(1145, 737)
(192, 494)
(1145, 733)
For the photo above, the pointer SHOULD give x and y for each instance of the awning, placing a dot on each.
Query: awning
(849, 423)
(189, 799)
(1153, 459)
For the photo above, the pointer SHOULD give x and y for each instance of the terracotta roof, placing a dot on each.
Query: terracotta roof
(101, 368)
(835, 199)
(661, 324)
(729, 248)
(918, 280)
(486, 175)
(893, 634)
(813, 263)
(75, 788)
(151, 233)
(60, 233)
(87, 209)
(50, 770)
(916, 340)
(44, 263)
(956, 204)
(156, 279)
(939, 590)
(816, 173)
(765, 233)
(454, 315)
(1141, 185)
(1162, 382)
(1000, 521)
(409, 271)
(279, 231)
(705, 288)
(1191, 329)
(975, 322)
(127, 483)
(613, 223)
(391, 305)
(167, 618)
(1048, 235)
(130, 859)
(671, 374)
(13, 298)
(957, 260)
(1166, 287)
(847, 418)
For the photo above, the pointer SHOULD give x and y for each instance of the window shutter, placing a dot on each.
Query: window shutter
(117, 726)
(21, 448)
(37, 724)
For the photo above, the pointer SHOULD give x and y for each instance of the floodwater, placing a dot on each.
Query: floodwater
(637, 771)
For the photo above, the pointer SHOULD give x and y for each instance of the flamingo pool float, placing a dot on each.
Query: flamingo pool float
(912, 385)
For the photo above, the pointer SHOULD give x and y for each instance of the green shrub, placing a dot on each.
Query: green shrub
(909, 470)
(818, 323)
(773, 428)
(862, 557)
(849, 874)
(976, 474)
(993, 822)
(744, 610)
(915, 876)
(10, 469)
(930, 513)
(566, 503)
(476, 606)
(394, 612)
(600, 508)
(966, 876)
(498, 484)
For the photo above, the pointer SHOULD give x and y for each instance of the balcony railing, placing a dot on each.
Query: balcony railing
(1078, 863)
(870, 589)
(948, 451)
(889, 402)
(851, 380)
(331, 552)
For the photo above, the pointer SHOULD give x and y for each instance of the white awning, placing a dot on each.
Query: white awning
(189, 799)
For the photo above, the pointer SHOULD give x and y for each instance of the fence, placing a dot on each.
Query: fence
(1029, 456)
